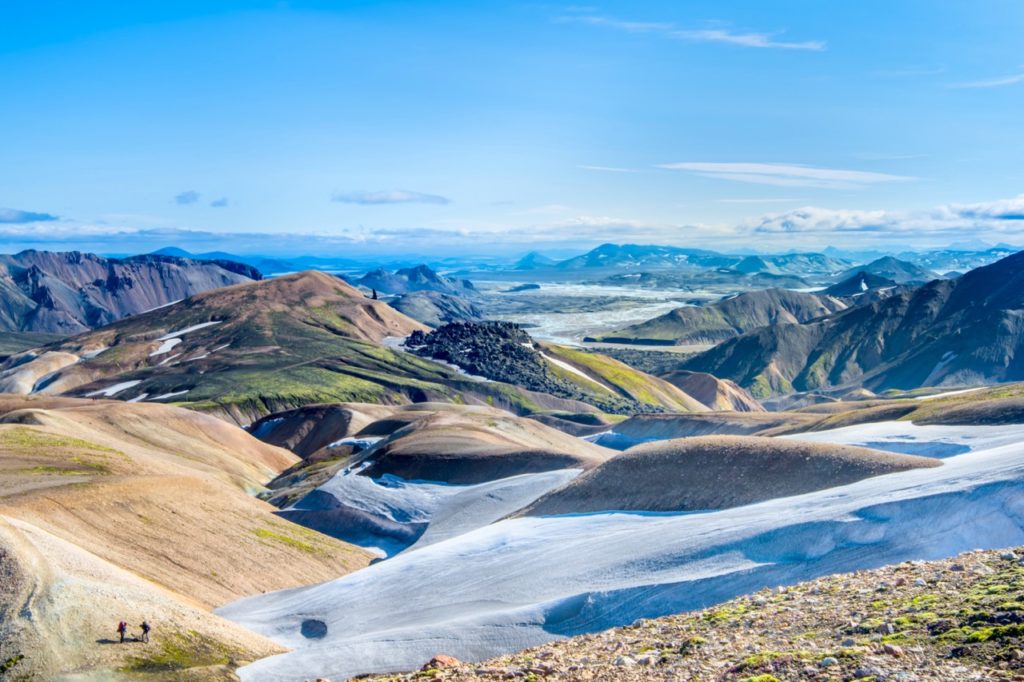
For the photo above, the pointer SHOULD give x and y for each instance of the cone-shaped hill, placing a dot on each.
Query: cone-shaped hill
(717, 472)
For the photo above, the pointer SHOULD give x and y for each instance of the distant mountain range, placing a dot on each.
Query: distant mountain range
(418, 278)
(71, 292)
(964, 331)
(899, 271)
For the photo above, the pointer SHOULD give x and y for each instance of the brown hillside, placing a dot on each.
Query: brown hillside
(716, 472)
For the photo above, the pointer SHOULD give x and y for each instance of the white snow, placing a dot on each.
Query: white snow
(930, 440)
(169, 358)
(575, 370)
(392, 514)
(520, 582)
(165, 305)
(949, 393)
(165, 396)
(165, 347)
(115, 389)
(186, 330)
(363, 443)
(139, 398)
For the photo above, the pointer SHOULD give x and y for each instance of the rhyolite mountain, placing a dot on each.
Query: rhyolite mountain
(418, 278)
(727, 318)
(948, 332)
(71, 292)
(244, 351)
(899, 271)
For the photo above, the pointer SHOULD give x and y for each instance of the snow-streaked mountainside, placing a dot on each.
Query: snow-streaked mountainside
(390, 514)
(966, 331)
(68, 293)
(524, 581)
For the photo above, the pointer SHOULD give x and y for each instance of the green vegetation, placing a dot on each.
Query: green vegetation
(287, 540)
(175, 651)
(25, 437)
(12, 661)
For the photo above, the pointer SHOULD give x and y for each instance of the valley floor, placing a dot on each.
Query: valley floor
(956, 619)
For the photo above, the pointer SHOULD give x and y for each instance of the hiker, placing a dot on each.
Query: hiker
(122, 629)
(374, 294)
(145, 631)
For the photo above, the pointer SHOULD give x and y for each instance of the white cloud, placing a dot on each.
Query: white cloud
(760, 40)
(610, 169)
(1002, 216)
(998, 82)
(394, 196)
(755, 201)
(715, 34)
(787, 175)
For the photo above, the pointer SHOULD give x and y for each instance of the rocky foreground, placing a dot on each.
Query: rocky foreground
(957, 619)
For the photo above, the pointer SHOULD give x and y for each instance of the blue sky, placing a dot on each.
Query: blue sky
(433, 127)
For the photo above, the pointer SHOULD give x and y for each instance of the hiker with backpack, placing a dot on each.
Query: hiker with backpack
(122, 629)
(145, 631)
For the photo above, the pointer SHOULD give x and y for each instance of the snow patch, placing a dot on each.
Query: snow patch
(186, 330)
(165, 396)
(111, 391)
(575, 370)
(165, 347)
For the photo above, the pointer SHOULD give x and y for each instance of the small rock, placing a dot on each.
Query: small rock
(647, 660)
(920, 582)
(829, 661)
(848, 642)
(886, 629)
(442, 661)
(624, 661)
(1008, 556)
(956, 567)
(892, 650)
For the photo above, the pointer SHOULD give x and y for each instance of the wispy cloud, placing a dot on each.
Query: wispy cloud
(787, 175)
(756, 201)
(13, 216)
(1002, 216)
(997, 82)
(609, 169)
(713, 34)
(219, 203)
(187, 197)
(395, 196)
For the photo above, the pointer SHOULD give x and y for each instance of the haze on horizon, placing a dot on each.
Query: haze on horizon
(349, 128)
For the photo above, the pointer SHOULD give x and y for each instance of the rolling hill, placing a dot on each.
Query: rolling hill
(110, 510)
(244, 351)
(727, 318)
(964, 331)
(716, 472)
